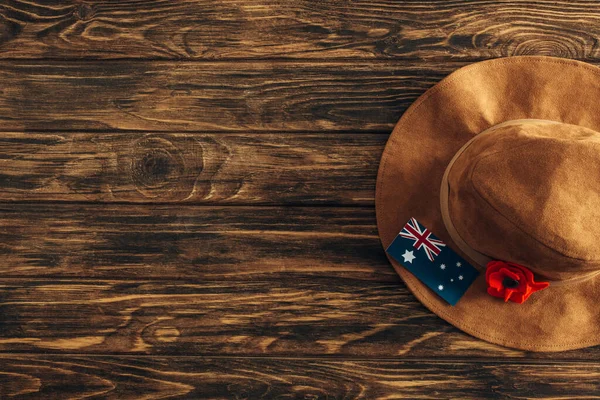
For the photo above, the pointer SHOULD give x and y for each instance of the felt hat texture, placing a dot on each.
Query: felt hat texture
(501, 160)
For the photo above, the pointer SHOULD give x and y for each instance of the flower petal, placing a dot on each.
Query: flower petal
(507, 294)
(520, 298)
(493, 266)
(539, 285)
(495, 280)
(494, 292)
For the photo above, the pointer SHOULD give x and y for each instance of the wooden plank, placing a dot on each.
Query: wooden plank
(286, 317)
(47, 377)
(214, 169)
(201, 29)
(201, 243)
(190, 96)
(294, 316)
(167, 279)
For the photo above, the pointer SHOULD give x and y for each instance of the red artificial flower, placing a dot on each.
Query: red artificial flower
(511, 281)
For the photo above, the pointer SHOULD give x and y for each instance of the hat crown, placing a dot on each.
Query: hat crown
(527, 191)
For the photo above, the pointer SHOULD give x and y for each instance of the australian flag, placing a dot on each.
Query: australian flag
(432, 262)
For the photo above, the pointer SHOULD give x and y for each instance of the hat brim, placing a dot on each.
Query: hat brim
(431, 131)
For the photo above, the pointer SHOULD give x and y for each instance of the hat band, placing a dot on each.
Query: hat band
(480, 258)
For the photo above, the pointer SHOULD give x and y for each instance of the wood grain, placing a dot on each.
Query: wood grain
(186, 192)
(357, 29)
(191, 96)
(44, 377)
(286, 317)
(200, 243)
(254, 169)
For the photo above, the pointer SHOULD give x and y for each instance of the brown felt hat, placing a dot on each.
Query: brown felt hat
(501, 160)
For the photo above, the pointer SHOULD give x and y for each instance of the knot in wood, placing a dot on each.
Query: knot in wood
(84, 12)
(165, 166)
(8, 30)
(154, 166)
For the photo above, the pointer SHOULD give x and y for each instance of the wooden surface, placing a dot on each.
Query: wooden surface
(187, 198)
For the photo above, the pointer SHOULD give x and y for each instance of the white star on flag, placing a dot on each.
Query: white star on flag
(408, 256)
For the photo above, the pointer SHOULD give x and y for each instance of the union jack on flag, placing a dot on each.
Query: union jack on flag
(422, 238)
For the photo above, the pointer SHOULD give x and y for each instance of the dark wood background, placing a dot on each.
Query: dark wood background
(187, 198)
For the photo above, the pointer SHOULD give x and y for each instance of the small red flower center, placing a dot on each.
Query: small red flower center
(510, 282)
